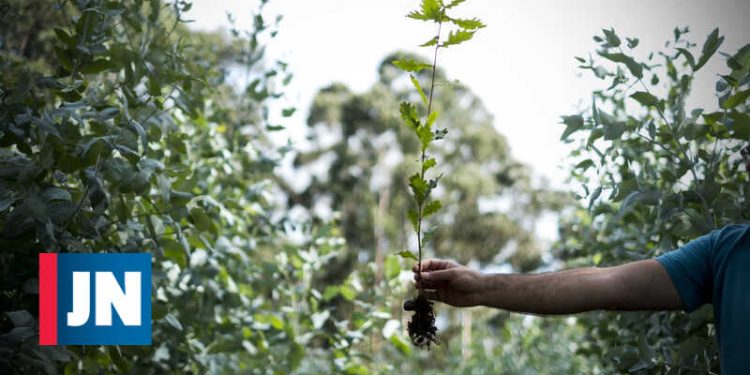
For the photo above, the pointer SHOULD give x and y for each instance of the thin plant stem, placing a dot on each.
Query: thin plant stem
(424, 156)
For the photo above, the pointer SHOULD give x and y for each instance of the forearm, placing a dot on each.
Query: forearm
(635, 286)
(564, 292)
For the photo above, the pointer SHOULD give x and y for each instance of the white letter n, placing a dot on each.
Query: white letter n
(109, 295)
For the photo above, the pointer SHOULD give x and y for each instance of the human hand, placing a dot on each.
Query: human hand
(449, 282)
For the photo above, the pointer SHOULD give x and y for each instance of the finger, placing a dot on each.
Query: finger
(426, 284)
(432, 265)
(440, 275)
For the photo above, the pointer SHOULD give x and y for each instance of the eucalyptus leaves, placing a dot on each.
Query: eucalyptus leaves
(421, 328)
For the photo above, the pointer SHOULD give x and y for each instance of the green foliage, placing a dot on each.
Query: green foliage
(655, 175)
(411, 65)
(119, 133)
(457, 37)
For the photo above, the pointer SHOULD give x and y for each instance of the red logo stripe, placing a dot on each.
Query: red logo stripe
(48, 299)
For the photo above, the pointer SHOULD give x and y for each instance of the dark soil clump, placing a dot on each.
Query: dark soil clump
(422, 330)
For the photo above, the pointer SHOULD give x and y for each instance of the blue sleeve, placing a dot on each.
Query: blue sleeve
(691, 271)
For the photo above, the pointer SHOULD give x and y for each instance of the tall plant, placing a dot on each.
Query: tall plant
(421, 328)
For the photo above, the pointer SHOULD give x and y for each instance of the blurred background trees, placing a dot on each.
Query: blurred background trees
(361, 155)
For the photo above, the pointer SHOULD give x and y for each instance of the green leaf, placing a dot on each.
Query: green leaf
(634, 67)
(431, 9)
(432, 118)
(645, 99)
(740, 126)
(736, 99)
(174, 251)
(597, 258)
(468, 24)
(20, 318)
(411, 65)
(52, 194)
(712, 44)
(740, 62)
(407, 255)
(612, 39)
(400, 344)
(64, 57)
(154, 86)
(573, 124)
(201, 220)
(428, 163)
(454, 3)
(347, 292)
(643, 197)
(417, 15)
(431, 208)
(424, 133)
(586, 164)
(614, 130)
(457, 37)
(65, 37)
(409, 115)
(419, 187)
(688, 56)
(172, 320)
(415, 82)
(430, 42)
(330, 292)
(392, 267)
(96, 66)
(107, 113)
(288, 112)
(270, 319)
(222, 346)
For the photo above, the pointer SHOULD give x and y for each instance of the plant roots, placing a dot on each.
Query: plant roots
(421, 327)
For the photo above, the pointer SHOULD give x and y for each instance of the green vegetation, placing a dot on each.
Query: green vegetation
(656, 174)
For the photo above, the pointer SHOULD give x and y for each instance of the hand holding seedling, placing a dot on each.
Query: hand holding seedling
(449, 282)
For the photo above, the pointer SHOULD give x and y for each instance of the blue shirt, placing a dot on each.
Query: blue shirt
(715, 269)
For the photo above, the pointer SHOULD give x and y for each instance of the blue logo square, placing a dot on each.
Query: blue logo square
(108, 291)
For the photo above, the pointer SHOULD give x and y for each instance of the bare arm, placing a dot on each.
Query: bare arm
(642, 285)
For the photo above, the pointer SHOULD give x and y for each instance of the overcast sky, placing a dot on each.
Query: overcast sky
(521, 65)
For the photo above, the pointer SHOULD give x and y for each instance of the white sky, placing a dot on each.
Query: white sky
(521, 65)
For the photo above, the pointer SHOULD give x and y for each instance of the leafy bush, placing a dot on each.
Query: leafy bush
(656, 174)
(120, 133)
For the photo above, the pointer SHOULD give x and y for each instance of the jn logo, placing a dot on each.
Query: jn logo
(94, 299)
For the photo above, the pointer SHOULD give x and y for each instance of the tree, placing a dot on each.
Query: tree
(656, 174)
